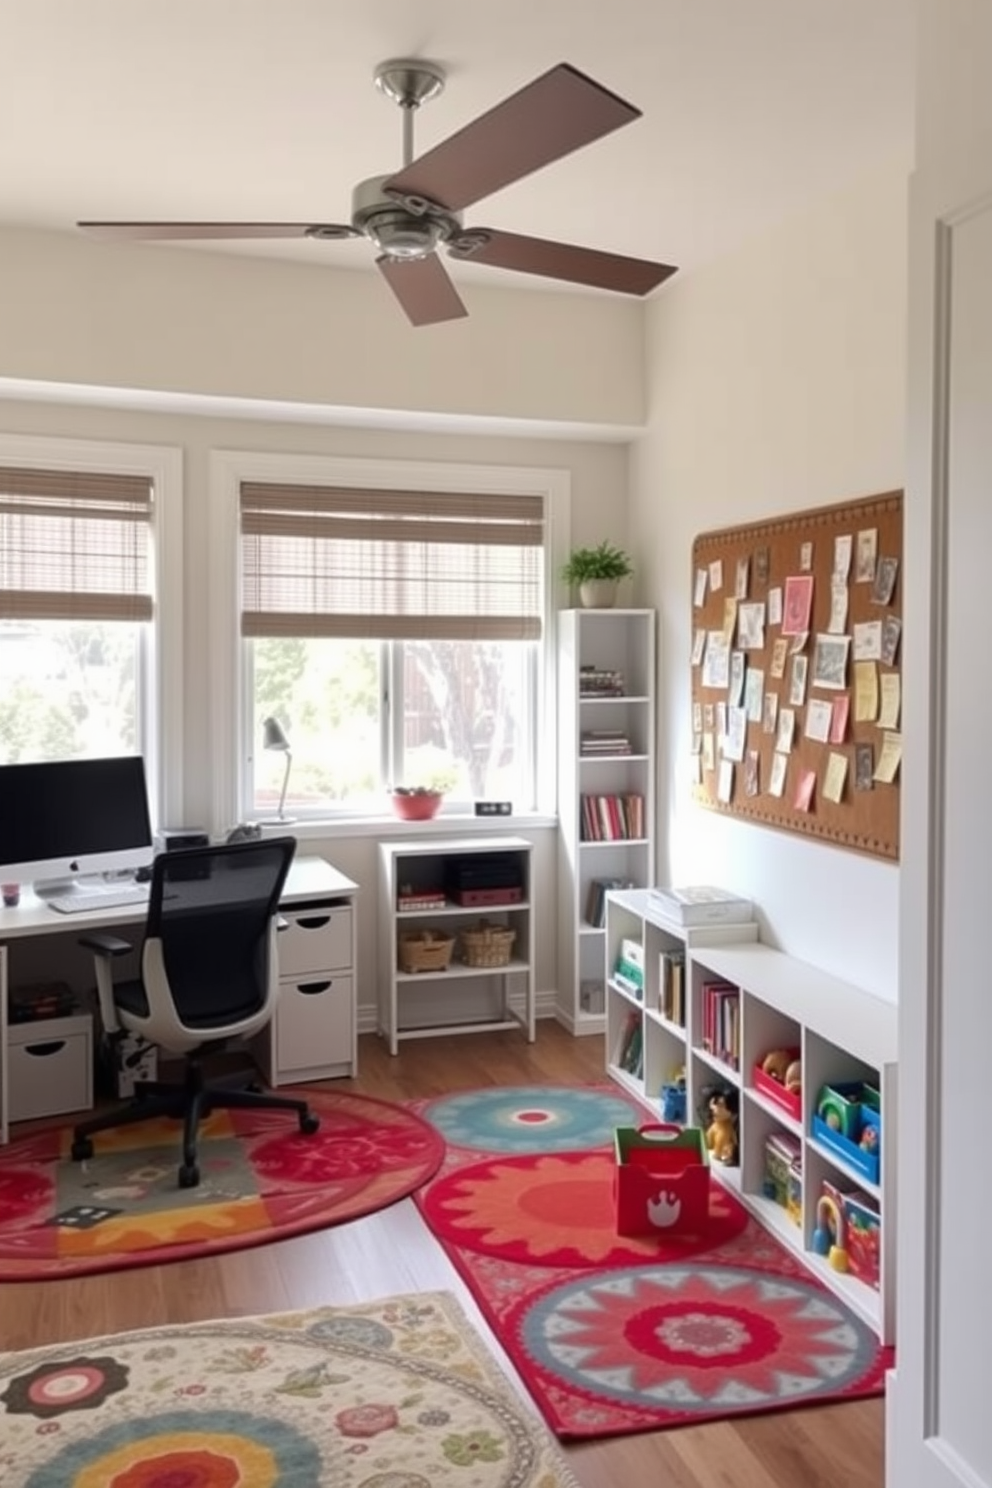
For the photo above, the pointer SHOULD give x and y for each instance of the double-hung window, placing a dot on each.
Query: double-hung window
(396, 637)
(86, 666)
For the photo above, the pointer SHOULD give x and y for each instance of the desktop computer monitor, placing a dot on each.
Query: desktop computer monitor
(64, 818)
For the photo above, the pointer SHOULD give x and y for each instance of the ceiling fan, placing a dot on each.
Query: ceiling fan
(410, 214)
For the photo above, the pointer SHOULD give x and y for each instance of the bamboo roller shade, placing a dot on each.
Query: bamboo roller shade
(863, 820)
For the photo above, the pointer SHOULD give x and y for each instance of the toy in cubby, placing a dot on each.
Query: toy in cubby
(848, 1119)
(779, 1075)
(863, 1225)
(673, 1099)
(829, 1235)
(848, 1231)
(783, 1180)
(718, 1115)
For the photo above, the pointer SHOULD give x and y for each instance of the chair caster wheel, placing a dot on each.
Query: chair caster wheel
(189, 1176)
(82, 1149)
(309, 1124)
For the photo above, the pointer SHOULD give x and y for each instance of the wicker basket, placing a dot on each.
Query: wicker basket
(425, 950)
(487, 945)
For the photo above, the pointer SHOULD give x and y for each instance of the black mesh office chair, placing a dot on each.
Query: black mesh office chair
(209, 972)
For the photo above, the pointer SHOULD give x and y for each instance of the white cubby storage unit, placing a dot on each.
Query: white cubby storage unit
(461, 998)
(606, 803)
(844, 1034)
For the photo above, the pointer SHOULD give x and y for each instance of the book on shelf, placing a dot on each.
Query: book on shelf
(702, 905)
(722, 1022)
(600, 682)
(671, 986)
(596, 898)
(614, 818)
(630, 1047)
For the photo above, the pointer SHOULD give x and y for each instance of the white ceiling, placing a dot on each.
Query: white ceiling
(265, 110)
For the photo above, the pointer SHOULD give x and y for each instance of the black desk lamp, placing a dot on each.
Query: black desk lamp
(273, 737)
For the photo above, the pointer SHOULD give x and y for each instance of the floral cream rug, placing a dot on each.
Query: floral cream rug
(396, 1393)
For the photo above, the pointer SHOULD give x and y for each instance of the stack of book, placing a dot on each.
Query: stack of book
(628, 970)
(702, 905)
(600, 682)
(41, 1000)
(604, 743)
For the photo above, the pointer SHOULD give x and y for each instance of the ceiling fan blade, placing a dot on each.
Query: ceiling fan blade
(423, 288)
(502, 250)
(151, 231)
(546, 119)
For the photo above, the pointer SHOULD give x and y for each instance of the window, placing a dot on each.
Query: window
(392, 620)
(82, 672)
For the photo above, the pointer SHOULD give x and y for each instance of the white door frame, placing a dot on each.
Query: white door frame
(918, 1455)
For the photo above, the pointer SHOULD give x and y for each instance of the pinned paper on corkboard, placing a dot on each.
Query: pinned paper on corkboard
(795, 663)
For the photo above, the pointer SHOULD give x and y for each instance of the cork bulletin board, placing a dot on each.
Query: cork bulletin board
(796, 684)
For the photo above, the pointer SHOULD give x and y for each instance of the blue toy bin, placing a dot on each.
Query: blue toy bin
(856, 1138)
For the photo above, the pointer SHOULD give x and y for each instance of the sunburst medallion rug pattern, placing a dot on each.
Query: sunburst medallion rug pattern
(261, 1180)
(614, 1335)
(398, 1393)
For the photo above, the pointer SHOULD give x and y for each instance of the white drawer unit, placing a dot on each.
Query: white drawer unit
(316, 940)
(313, 1033)
(50, 1067)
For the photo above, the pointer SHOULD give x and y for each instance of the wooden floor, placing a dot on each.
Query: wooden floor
(393, 1252)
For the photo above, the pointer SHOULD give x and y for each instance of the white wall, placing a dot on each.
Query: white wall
(776, 382)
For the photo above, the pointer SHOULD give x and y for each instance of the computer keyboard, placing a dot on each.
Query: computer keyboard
(114, 896)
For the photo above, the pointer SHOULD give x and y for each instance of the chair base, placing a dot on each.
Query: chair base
(190, 1103)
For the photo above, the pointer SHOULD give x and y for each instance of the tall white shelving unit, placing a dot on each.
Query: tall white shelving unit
(603, 843)
(843, 1032)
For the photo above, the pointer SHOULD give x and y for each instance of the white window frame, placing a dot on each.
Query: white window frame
(232, 744)
(160, 700)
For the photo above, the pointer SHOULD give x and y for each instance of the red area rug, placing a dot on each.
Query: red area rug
(612, 1335)
(261, 1180)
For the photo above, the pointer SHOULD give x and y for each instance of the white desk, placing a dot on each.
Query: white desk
(314, 1033)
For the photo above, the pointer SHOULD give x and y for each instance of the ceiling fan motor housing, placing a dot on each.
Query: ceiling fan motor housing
(395, 230)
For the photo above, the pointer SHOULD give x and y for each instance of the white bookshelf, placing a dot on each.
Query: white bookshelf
(459, 998)
(843, 1032)
(620, 641)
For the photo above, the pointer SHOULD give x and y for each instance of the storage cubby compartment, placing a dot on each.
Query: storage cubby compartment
(772, 1058)
(845, 1110)
(716, 1020)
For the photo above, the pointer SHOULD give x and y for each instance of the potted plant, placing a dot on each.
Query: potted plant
(596, 573)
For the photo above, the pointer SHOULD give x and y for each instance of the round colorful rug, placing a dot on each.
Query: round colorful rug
(648, 1346)
(556, 1210)
(261, 1180)
(532, 1118)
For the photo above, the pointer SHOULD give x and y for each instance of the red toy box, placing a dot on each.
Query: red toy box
(661, 1185)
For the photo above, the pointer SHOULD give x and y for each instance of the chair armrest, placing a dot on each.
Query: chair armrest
(106, 945)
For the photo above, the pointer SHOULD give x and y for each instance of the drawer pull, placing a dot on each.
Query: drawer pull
(41, 1051)
(310, 989)
(314, 922)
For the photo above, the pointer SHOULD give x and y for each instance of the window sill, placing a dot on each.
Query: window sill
(445, 825)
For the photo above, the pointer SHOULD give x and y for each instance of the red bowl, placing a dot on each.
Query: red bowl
(419, 807)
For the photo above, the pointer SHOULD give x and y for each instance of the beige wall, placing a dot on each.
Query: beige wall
(776, 383)
(73, 310)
